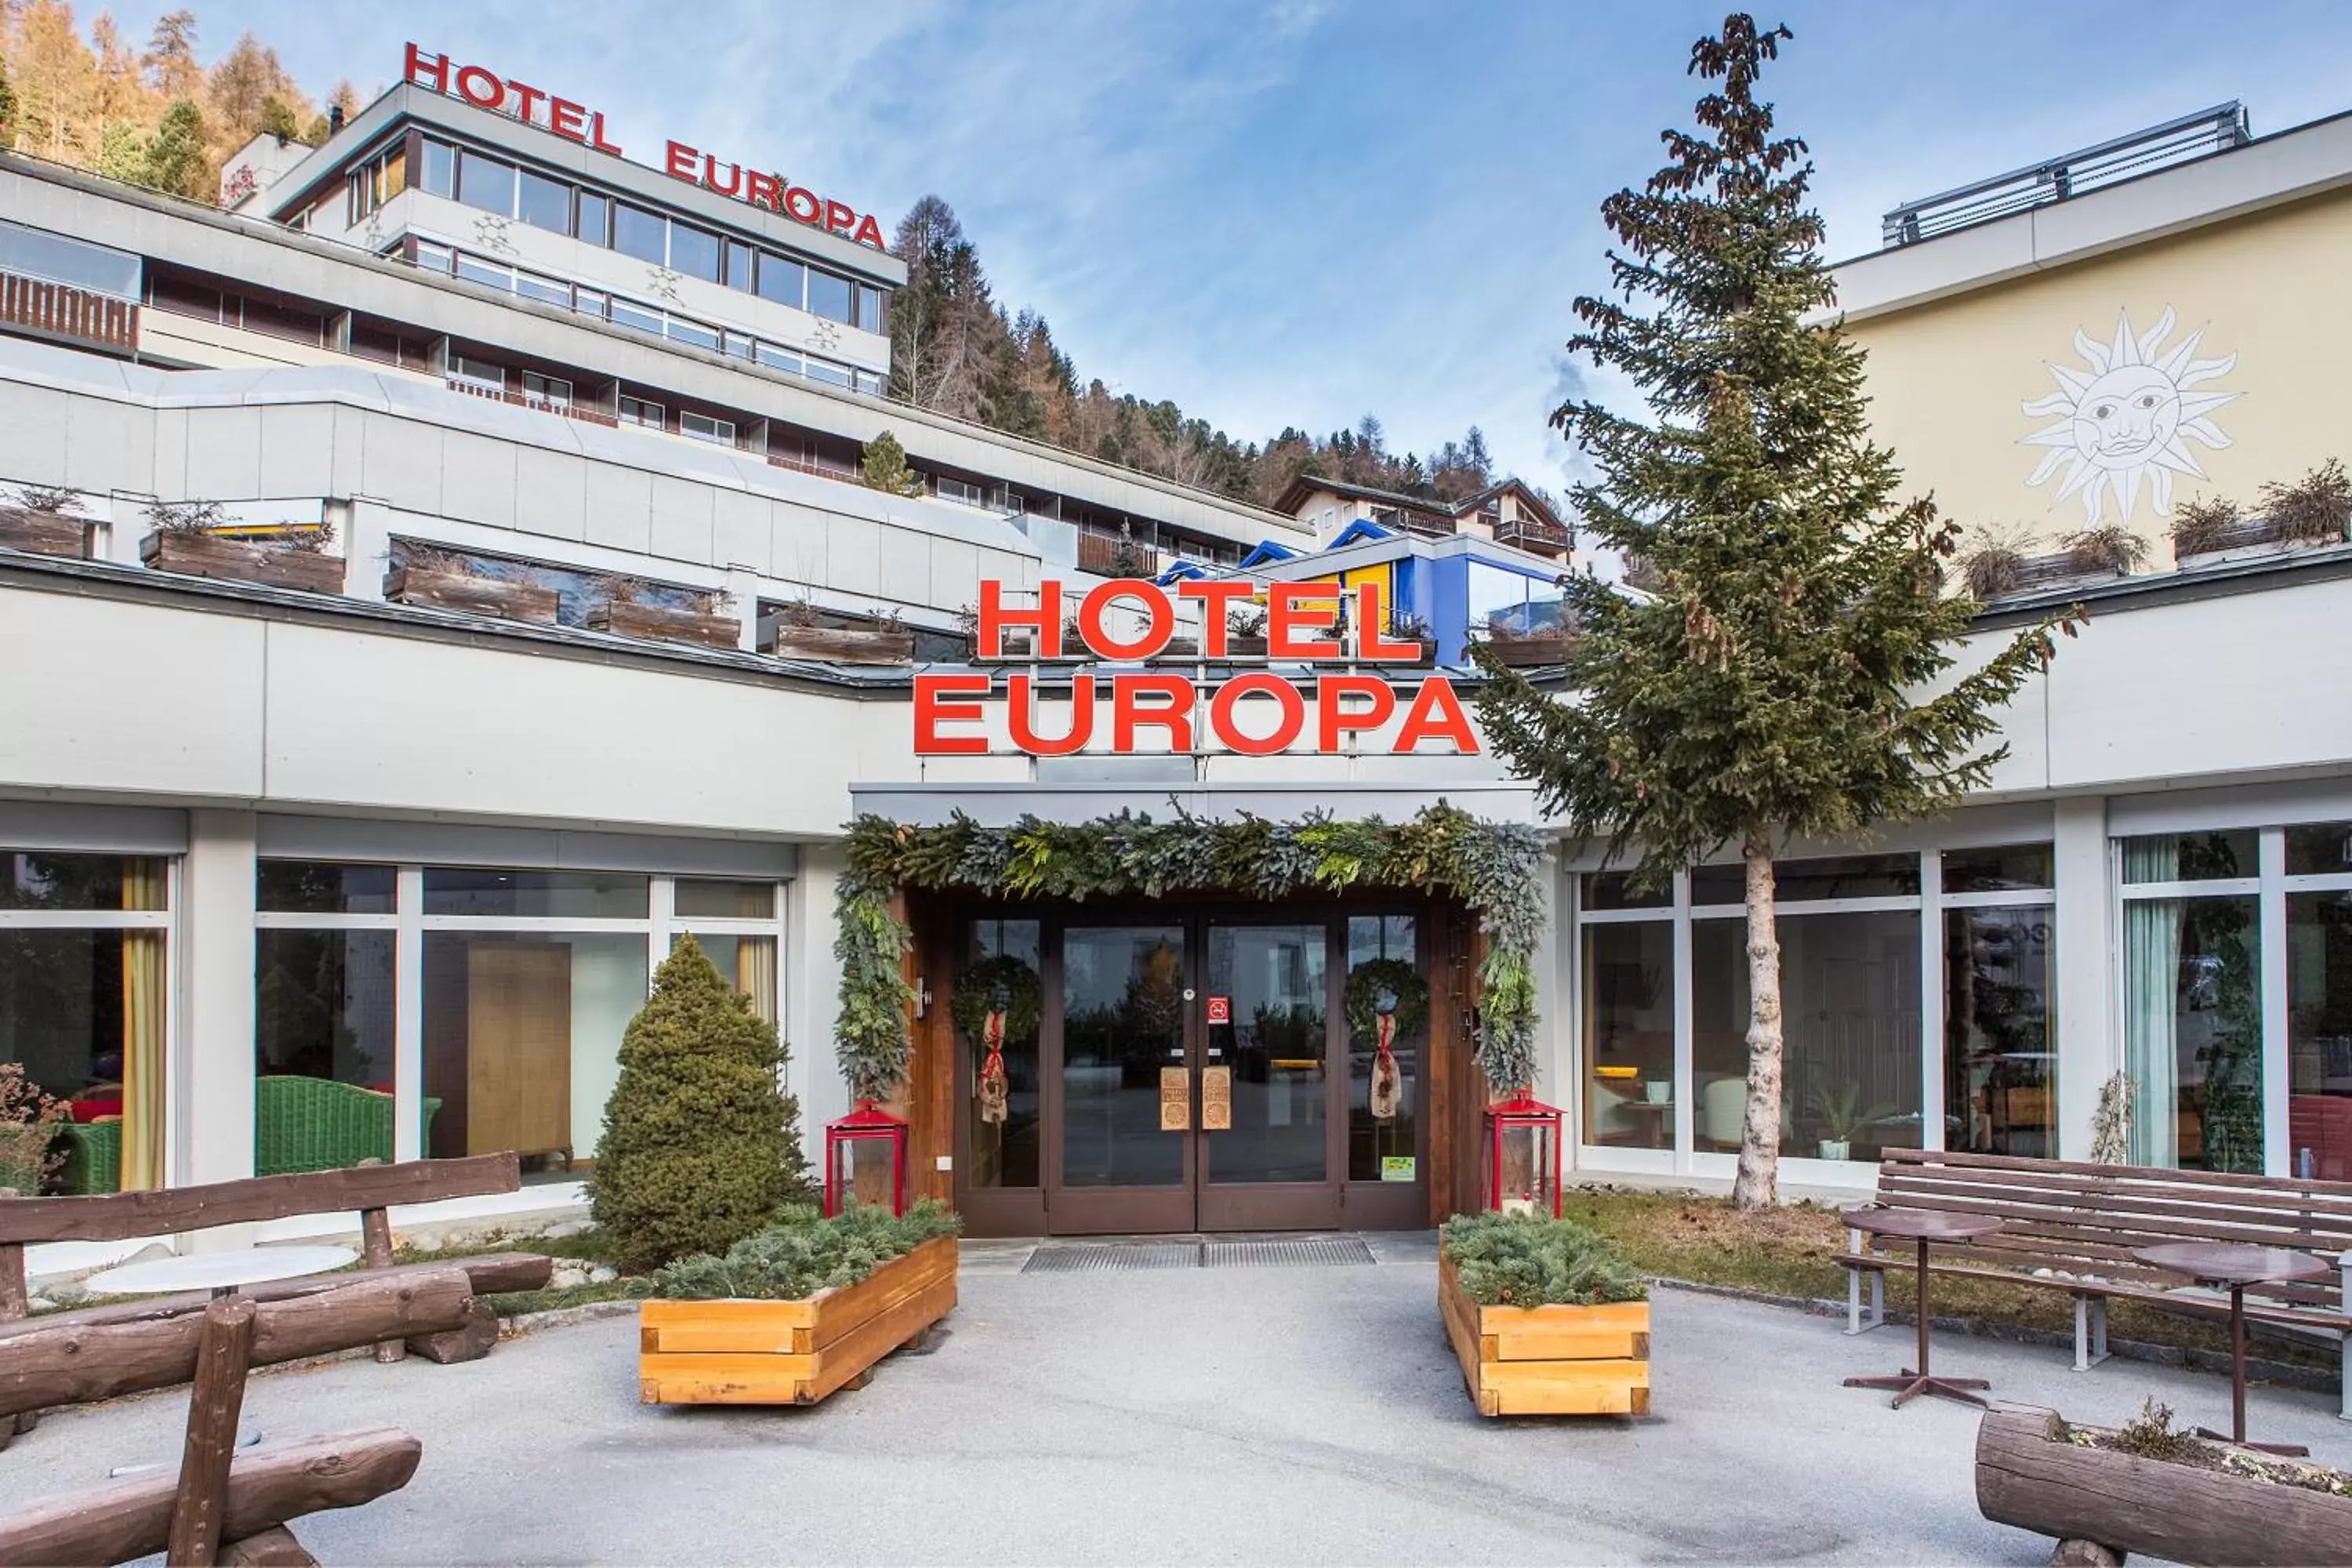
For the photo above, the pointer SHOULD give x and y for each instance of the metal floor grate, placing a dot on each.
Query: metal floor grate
(1305, 1253)
(1114, 1257)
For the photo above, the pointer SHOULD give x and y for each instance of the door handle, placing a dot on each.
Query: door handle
(1216, 1100)
(1175, 1100)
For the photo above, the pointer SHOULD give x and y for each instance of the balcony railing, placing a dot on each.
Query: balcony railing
(1531, 532)
(2209, 131)
(524, 400)
(62, 310)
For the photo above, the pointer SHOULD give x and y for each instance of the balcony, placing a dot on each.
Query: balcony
(73, 315)
(1533, 534)
(525, 400)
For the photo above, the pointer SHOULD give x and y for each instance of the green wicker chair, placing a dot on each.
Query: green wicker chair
(93, 1158)
(318, 1124)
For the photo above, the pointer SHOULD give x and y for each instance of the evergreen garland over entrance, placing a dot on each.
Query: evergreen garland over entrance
(1492, 867)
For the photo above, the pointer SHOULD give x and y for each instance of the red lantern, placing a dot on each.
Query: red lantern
(1523, 1137)
(866, 1160)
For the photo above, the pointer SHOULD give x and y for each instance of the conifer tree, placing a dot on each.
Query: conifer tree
(1790, 676)
(175, 159)
(702, 1144)
(885, 467)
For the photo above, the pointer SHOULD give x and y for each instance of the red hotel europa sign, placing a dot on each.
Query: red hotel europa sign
(486, 89)
(1257, 713)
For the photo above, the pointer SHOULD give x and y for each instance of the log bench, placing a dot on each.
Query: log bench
(2071, 1226)
(370, 1190)
(223, 1505)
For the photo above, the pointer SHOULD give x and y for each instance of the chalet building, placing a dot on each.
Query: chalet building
(439, 578)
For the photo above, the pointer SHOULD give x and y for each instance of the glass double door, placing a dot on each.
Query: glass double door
(1196, 1073)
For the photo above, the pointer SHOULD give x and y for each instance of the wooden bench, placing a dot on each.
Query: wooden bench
(223, 1505)
(2072, 1227)
(369, 1190)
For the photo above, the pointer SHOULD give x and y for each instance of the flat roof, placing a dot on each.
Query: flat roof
(406, 104)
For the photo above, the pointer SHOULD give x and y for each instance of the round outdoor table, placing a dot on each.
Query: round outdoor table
(2235, 1266)
(220, 1272)
(1922, 1226)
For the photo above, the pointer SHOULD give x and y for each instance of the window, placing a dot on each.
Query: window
(738, 346)
(726, 900)
(694, 252)
(291, 323)
(781, 281)
(491, 274)
(1003, 1140)
(1998, 870)
(834, 375)
(1629, 1030)
(595, 218)
(775, 358)
(637, 411)
(829, 296)
(551, 390)
(391, 174)
(955, 489)
(316, 888)
(739, 265)
(440, 168)
(1615, 890)
(869, 310)
(1830, 876)
(568, 895)
(2190, 858)
(434, 258)
(2000, 1066)
(869, 383)
(550, 291)
(2192, 1004)
(694, 333)
(485, 183)
(629, 313)
(467, 371)
(543, 203)
(82, 1004)
(588, 301)
(641, 233)
(703, 428)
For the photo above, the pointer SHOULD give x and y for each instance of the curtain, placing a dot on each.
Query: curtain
(2151, 1002)
(142, 1031)
(755, 974)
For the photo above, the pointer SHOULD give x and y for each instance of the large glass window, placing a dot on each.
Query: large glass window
(1999, 1056)
(82, 1007)
(323, 1009)
(2319, 1035)
(641, 233)
(440, 169)
(869, 310)
(544, 204)
(785, 283)
(1850, 1009)
(997, 1005)
(694, 251)
(829, 296)
(2192, 1004)
(485, 183)
(595, 218)
(563, 895)
(1629, 1032)
(313, 887)
(1384, 981)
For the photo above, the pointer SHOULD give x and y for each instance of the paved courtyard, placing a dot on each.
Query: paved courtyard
(1260, 1414)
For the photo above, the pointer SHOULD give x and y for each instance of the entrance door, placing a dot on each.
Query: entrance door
(1199, 1079)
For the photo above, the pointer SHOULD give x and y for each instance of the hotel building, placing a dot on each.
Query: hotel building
(440, 578)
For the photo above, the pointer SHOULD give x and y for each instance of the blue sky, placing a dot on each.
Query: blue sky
(1301, 211)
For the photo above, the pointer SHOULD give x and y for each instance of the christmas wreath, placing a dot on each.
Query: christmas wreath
(978, 987)
(1396, 978)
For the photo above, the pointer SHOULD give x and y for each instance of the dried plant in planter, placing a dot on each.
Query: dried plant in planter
(187, 516)
(2312, 511)
(2200, 526)
(710, 601)
(432, 558)
(48, 501)
(1994, 563)
(800, 612)
(621, 588)
(2109, 548)
(1248, 622)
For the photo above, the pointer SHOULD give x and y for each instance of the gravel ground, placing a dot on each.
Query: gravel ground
(1278, 1415)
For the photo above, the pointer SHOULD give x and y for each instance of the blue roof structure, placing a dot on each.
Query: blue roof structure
(1356, 532)
(1267, 551)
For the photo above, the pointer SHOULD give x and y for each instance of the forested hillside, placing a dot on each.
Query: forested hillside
(152, 112)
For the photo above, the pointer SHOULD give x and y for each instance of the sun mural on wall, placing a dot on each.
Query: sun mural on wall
(2128, 418)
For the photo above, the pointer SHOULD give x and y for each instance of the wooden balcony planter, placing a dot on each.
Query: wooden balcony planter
(791, 1353)
(45, 533)
(664, 625)
(478, 595)
(240, 560)
(1531, 653)
(2030, 1475)
(1241, 646)
(845, 645)
(1551, 1359)
(2246, 539)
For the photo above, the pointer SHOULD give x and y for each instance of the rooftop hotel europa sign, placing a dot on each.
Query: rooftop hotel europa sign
(486, 89)
(1257, 713)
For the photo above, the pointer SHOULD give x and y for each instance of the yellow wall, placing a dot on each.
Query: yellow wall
(1948, 379)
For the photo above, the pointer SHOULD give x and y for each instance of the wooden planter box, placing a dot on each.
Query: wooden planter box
(2245, 539)
(237, 561)
(1529, 653)
(45, 532)
(2028, 1474)
(843, 645)
(479, 595)
(666, 624)
(791, 1353)
(1549, 1360)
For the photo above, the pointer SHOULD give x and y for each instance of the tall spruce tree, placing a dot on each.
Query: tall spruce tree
(1789, 678)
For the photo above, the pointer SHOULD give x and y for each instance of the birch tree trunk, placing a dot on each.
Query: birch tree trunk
(1757, 1184)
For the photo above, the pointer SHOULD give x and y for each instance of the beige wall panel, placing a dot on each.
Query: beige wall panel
(682, 512)
(225, 453)
(402, 463)
(32, 434)
(551, 493)
(620, 507)
(298, 451)
(1948, 379)
(740, 530)
(478, 482)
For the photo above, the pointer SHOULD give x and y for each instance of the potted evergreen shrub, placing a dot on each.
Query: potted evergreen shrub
(629, 608)
(1544, 1317)
(799, 1309)
(191, 538)
(46, 522)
